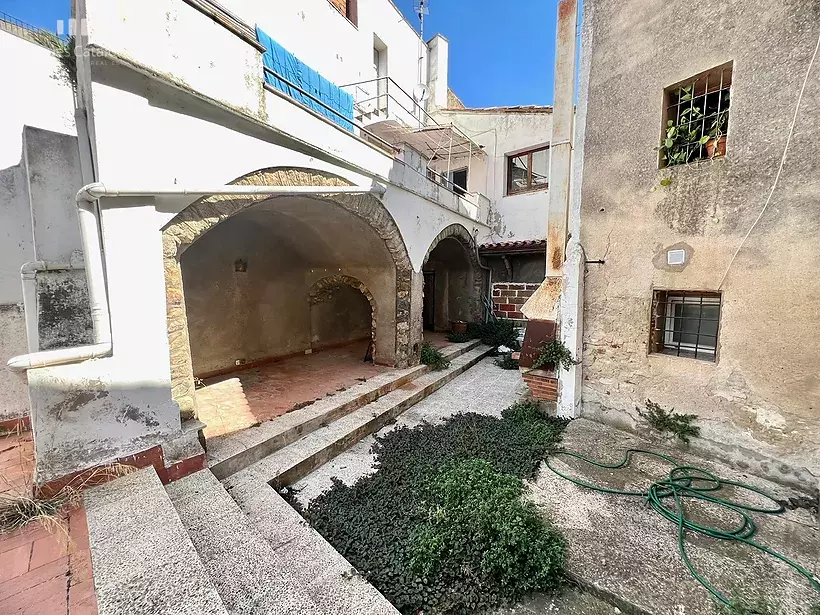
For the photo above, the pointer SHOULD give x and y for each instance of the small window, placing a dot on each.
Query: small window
(528, 171)
(685, 323)
(348, 8)
(696, 118)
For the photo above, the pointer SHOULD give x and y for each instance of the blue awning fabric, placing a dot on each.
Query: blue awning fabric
(285, 64)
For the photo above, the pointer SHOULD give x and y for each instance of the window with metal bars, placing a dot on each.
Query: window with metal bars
(685, 323)
(696, 117)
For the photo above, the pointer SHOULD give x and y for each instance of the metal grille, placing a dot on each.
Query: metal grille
(685, 323)
(698, 111)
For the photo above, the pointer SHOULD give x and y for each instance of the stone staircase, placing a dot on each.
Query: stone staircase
(202, 546)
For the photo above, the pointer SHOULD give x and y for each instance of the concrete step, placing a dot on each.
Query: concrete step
(274, 574)
(143, 559)
(231, 453)
(624, 552)
(295, 461)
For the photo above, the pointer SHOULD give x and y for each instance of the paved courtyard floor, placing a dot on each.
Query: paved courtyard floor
(43, 571)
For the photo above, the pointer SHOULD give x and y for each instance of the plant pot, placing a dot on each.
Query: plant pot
(716, 148)
(458, 326)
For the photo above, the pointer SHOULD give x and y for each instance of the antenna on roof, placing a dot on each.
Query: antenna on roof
(422, 10)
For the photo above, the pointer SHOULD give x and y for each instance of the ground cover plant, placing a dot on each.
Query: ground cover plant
(669, 421)
(432, 357)
(442, 526)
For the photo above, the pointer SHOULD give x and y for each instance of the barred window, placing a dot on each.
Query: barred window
(696, 117)
(685, 323)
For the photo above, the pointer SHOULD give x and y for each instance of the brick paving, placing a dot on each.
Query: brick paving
(42, 571)
(235, 401)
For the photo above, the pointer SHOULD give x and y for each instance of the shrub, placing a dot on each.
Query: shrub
(382, 523)
(556, 353)
(507, 363)
(433, 358)
(459, 338)
(496, 333)
(670, 421)
(482, 545)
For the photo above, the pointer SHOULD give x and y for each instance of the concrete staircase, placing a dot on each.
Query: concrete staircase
(209, 547)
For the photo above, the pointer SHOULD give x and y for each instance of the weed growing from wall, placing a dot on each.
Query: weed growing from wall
(669, 421)
(441, 526)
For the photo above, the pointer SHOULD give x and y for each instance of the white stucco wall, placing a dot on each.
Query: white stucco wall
(170, 140)
(33, 96)
(520, 216)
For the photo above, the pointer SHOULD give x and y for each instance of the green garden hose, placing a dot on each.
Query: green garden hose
(698, 484)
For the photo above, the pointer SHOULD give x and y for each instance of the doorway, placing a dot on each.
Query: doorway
(429, 309)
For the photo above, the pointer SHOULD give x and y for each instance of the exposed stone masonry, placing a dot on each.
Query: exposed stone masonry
(204, 214)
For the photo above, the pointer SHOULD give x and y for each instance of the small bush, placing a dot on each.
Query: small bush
(459, 338)
(669, 421)
(432, 357)
(498, 333)
(555, 353)
(482, 545)
(507, 363)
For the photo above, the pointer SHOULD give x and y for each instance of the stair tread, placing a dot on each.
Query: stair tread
(286, 570)
(223, 449)
(274, 464)
(144, 561)
(325, 575)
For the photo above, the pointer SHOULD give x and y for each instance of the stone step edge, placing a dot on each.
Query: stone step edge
(268, 445)
(606, 595)
(305, 466)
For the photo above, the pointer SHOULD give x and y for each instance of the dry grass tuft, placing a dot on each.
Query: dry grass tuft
(20, 505)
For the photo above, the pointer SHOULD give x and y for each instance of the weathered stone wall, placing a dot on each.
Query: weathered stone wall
(64, 315)
(758, 403)
(341, 310)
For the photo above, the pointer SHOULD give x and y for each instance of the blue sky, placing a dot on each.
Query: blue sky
(501, 51)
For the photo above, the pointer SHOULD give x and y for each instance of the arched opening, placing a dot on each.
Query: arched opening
(453, 282)
(282, 296)
(342, 312)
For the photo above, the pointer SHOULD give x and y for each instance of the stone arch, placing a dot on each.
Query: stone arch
(204, 214)
(320, 290)
(463, 236)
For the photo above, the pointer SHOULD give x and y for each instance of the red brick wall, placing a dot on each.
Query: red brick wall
(509, 297)
(542, 384)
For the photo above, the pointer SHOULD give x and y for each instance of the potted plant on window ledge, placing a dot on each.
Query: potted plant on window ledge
(716, 145)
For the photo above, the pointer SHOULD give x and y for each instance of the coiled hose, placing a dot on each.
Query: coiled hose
(697, 484)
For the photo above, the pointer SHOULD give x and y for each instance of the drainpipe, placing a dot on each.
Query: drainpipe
(93, 255)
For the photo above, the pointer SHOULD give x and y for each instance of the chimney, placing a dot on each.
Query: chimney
(438, 49)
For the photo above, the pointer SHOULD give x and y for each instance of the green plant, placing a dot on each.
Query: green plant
(64, 49)
(432, 357)
(556, 353)
(501, 332)
(507, 362)
(746, 606)
(381, 523)
(669, 421)
(481, 537)
(459, 338)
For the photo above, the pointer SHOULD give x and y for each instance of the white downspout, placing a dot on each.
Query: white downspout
(93, 255)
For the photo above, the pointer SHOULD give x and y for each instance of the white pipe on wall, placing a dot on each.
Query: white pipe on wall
(93, 254)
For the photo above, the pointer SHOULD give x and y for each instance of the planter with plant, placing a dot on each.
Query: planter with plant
(554, 354)
(694, 130)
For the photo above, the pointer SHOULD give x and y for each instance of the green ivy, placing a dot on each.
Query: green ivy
(388, 525)
(432, 357)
